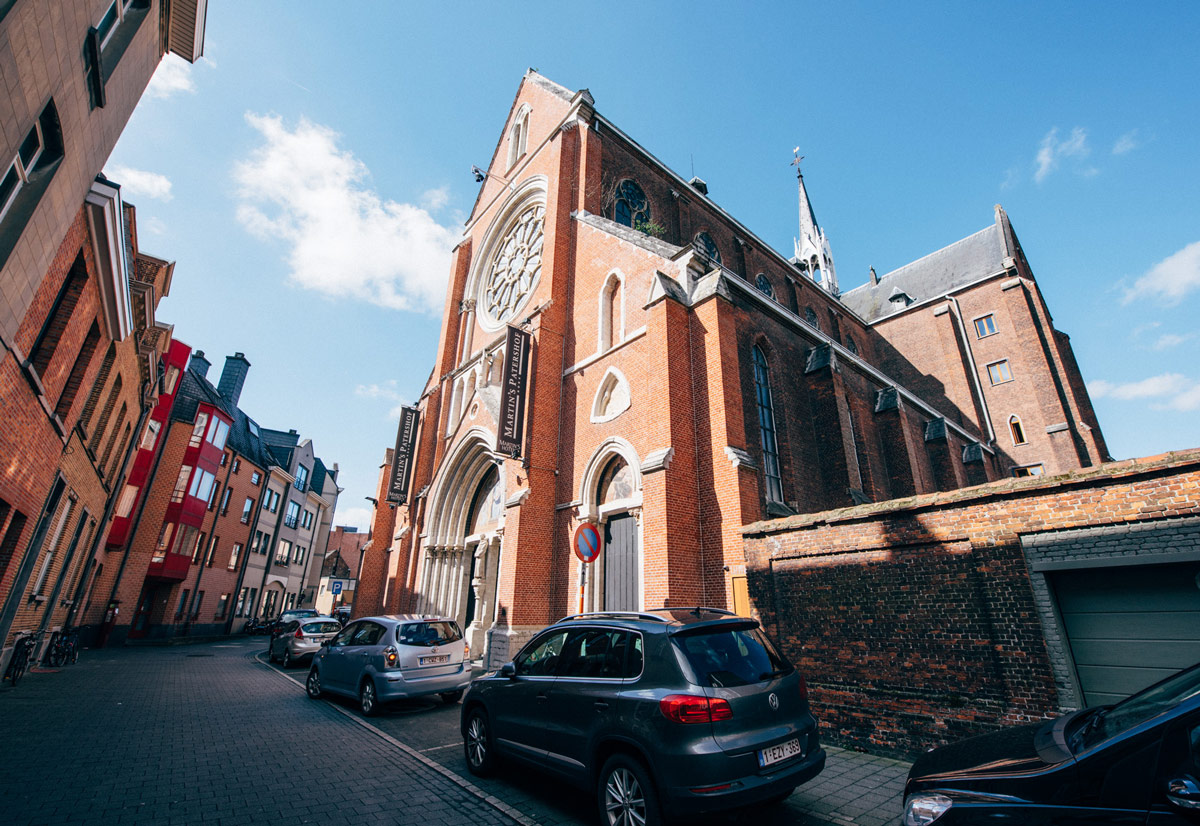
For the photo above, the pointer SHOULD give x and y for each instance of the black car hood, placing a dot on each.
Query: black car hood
(1006, 753)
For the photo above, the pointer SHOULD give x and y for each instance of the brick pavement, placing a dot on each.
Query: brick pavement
(202, 734)
(205, 734)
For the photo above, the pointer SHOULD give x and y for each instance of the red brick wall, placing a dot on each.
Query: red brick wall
(914, 621)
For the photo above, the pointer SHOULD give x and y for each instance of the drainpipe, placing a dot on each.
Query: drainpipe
(962, 331)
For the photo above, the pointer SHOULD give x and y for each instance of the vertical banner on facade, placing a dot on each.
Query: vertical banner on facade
(402, 457)
(512, 393)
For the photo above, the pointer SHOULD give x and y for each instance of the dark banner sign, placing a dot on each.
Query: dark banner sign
(406, 446)
(512, 393)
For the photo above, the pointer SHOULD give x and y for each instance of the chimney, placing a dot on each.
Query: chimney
(699, 185)
(874, 277)
(199, 363)
(233, 376)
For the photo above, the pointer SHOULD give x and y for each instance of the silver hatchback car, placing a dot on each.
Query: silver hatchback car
(380, 659)
(300, 638)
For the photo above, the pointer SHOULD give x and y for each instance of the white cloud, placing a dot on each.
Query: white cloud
(356, 517)
(435, 199)
(1174, 392)
(141, 182)
(387, 390)
(1168, 340)
(1126, 143)
(174, 74)
(1170, 279)
(152, 225)
(345, 240)
(1052, 151)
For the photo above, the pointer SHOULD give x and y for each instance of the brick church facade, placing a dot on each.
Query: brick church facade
(685, 380)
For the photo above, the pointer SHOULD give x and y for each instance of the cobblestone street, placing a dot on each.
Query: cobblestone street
(210, 734)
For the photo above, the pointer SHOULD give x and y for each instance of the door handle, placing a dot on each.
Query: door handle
(542, 697)
(600, 705)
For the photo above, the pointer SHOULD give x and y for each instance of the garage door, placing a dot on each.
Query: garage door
(1129, 627)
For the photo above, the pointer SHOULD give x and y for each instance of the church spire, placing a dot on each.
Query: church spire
(813, 256)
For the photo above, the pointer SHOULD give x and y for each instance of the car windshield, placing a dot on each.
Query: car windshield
(1105, 723)
(732, 657)
(322, 627)
(432, 632)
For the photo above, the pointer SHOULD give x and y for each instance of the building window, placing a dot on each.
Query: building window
(60, 315)
(518, 137)
(255, 478)
(198, 429)
(1029, 470)
(612, 316)
(247, 507)
(82, 360)
(234, 556)
(1016, 429)
(237, 465)
(292, 516)
(125, 504)
(851, 345)
(196, 538)
(202, 483)
(169, 380)
(181, 481)
(298, 557)
(810, 315)
(631, 208)
(212, 500)
(183, 599)
(150, 437)
(704, 243)
(301, 477)
(283, 552)
(307, 520)
(217, 434)
(766, 426)
(225, 500)
(764, 285)
(999, 372)
(985, 326)
(212, 550)
(222, 606)
(164, 541)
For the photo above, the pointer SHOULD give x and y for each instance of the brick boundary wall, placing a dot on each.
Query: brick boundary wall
(923, 620)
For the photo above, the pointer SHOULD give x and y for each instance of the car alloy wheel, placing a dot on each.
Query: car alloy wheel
(477, 744)
(312, 685)
(626, 795)
(366, 699)
(287, 658)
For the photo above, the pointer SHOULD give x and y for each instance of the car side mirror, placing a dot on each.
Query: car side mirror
(1184, 793)
(508, 670)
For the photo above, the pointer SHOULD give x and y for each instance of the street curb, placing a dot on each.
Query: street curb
(466, 785)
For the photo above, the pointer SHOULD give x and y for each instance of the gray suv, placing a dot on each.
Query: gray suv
(683, 709)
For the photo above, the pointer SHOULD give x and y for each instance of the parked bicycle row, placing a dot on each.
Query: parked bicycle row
(62, 649)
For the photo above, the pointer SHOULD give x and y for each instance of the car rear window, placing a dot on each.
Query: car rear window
(438, 632)
(325, 627)
(732, 657)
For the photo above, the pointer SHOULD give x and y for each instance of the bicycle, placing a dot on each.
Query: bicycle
(22, 651)
(62, 650)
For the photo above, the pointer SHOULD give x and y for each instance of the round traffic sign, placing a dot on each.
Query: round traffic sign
(586, 542)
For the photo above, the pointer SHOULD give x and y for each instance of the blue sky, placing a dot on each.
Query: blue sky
(311, 173)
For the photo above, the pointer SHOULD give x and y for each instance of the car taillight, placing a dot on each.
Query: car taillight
(390, 657)
(688, 708)
(299, 634)
(466, 650)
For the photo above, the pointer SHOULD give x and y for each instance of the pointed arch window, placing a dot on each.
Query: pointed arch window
(486, 504)
(1017, 430)
(518, 137)
(612, 315)
(810, 315)
(631, 206)
(616, 482)
(704, 243)
(766, 426)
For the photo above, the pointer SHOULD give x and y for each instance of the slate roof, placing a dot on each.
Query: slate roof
(317, 483)
(974, 257)
(194, 389)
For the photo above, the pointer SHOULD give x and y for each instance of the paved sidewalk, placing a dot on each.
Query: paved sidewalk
(207, 734)
(204, 735)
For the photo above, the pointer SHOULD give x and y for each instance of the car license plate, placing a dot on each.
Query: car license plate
(783, 751)
(436, 659)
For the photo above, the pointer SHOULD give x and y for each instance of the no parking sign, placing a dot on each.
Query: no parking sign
(586, 542)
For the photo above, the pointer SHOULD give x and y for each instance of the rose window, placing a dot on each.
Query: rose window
(516, 265)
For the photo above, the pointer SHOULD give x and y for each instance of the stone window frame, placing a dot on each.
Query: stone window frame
(612, 376)
(1017, 428)
(764, 405)
(1025, 471)
(623, 194)
(610, 324)
(518, 136)
(531, 192)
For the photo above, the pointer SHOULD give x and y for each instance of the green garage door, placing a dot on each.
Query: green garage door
(1129, 627)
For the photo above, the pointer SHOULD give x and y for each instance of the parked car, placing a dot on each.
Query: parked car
(301, 638)
(1135, 762)
(683, 710)
(380, 659)
(291, 614)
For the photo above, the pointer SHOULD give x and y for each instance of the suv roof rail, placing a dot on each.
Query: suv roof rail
(696, 609)
(641, 615)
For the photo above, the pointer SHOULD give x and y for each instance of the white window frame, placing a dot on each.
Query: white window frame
(23, 168)
(122, 8)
